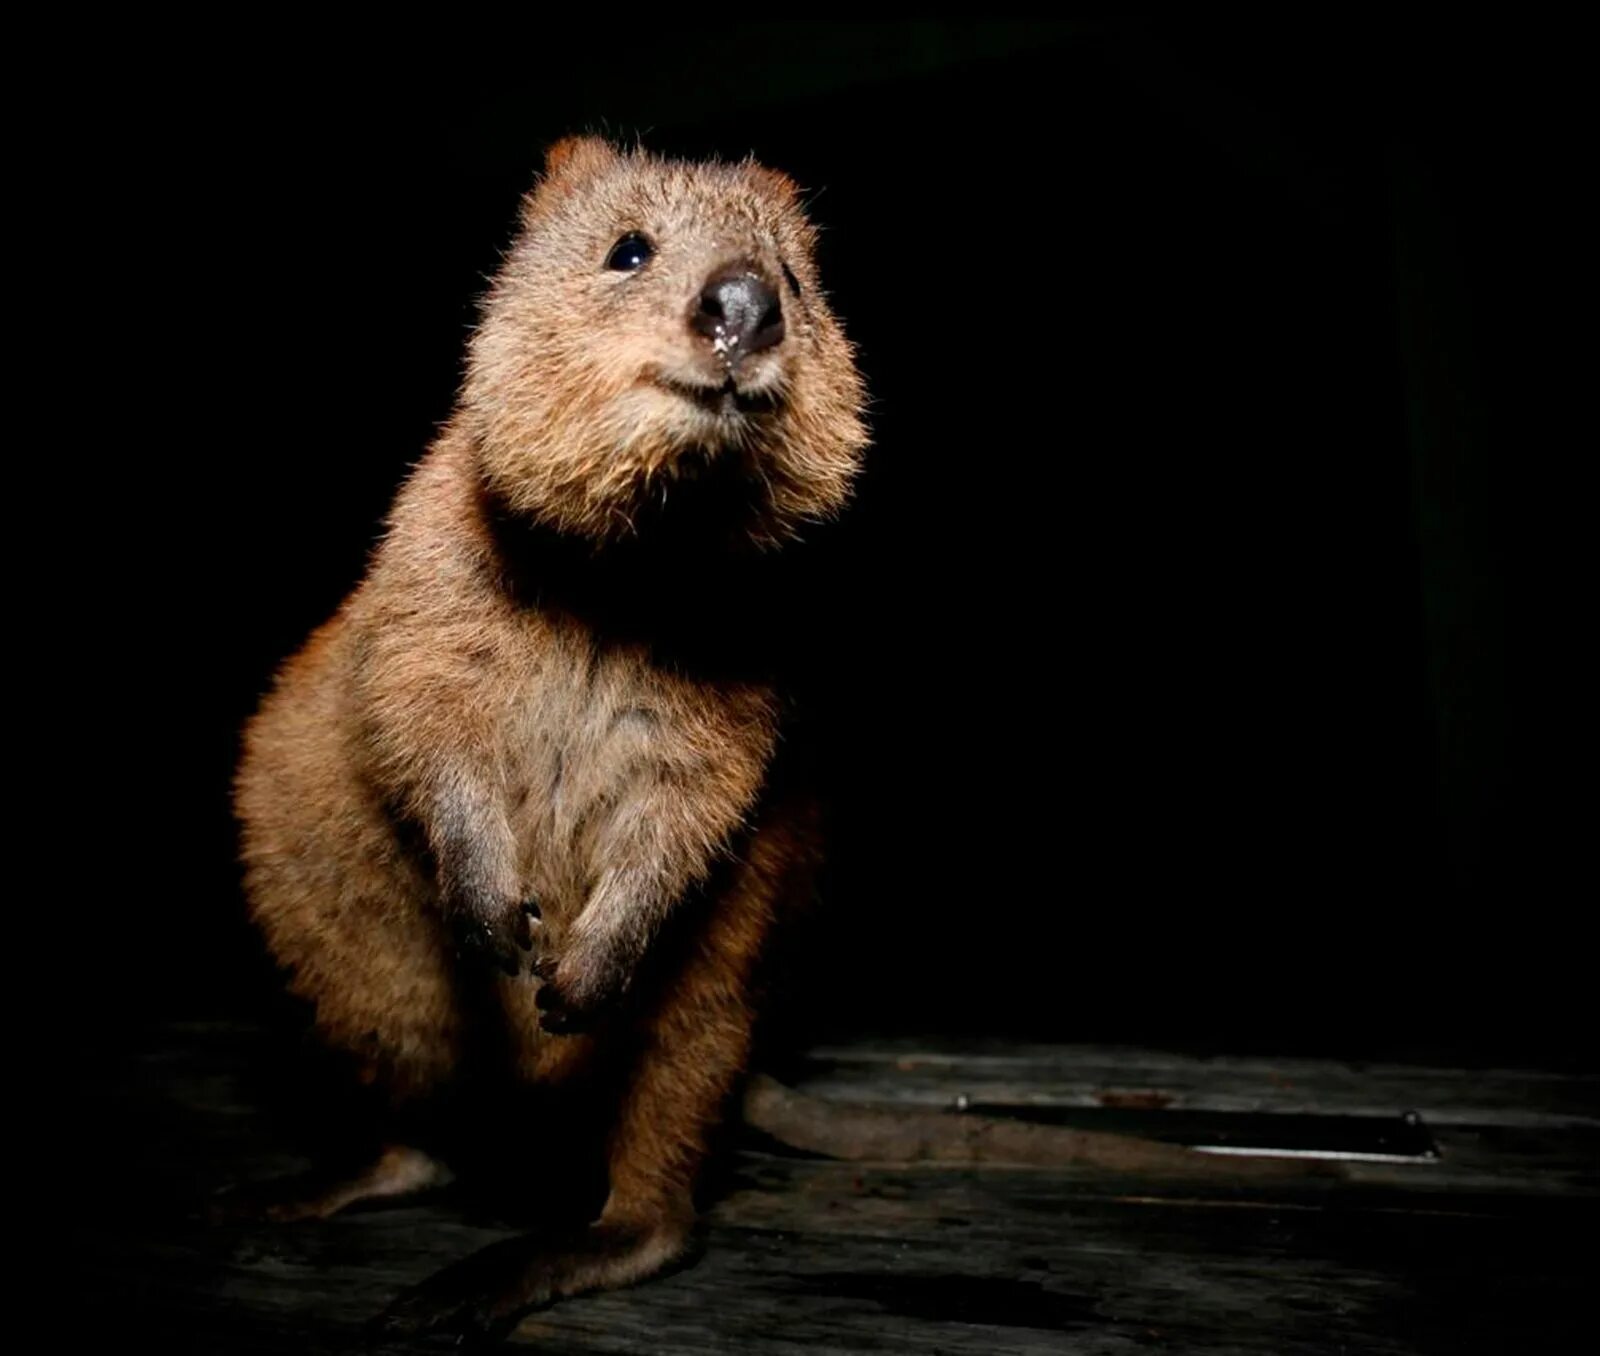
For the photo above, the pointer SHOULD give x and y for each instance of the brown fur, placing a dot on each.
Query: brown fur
(493, 718)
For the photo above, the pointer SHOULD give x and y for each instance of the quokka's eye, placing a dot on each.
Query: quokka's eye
(631, 252)
(788, 277)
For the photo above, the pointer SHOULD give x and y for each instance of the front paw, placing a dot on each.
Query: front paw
(576, 990)
(498, 935)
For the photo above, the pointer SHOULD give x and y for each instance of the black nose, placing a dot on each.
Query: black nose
(739, 312)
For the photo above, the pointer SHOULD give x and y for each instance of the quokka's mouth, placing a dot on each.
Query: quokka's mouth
(725, 400)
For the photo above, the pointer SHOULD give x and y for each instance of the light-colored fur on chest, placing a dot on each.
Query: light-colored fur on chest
(600, 759)
(583, 738)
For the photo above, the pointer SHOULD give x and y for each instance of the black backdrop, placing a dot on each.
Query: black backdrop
(1166, 685)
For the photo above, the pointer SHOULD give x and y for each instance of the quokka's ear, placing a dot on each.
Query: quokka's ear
(576, 155)
(567, 163)
(775, 182)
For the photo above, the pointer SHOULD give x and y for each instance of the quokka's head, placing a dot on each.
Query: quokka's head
(657, 335)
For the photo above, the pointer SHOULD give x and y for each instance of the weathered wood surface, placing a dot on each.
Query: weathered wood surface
(1518, 1132)
(1489, 1249)
(1097, 1075)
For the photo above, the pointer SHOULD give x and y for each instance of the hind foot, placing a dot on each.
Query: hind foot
(484, 1295)
(397, 1171)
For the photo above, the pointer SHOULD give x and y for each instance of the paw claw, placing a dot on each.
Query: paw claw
(481, 943)
(554, 1015)
(573, 996)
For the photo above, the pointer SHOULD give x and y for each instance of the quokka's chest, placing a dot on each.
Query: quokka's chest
(595, 742)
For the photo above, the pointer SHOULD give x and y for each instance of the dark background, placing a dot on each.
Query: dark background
(1195, 667)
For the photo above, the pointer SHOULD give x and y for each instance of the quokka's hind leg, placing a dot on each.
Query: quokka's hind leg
(693, 1051)
(667, 1113)
(396, 1171)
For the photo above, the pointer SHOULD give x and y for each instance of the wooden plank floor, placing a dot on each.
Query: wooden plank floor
(1489, 1247)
